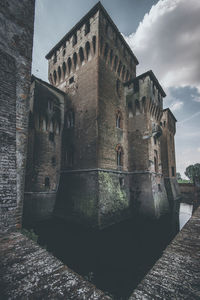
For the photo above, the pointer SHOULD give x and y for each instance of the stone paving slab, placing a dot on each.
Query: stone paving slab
(28, 271)
(176, 275)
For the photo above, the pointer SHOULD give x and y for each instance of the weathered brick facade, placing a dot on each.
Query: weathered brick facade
(168, 155)
(16, 38)
(111, 165)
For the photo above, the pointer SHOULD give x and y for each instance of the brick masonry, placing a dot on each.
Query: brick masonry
(16, 38)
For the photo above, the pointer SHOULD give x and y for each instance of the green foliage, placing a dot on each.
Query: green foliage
(193, 173)
(178, 176)
(30, 234)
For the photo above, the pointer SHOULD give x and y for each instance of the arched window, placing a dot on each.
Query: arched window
(64, 69)
(54, 76)
(87, 48)
(119, 151)
(59, 73)
(119, 68)
(115, 63)
(111, 57)
(118, 119)
(81, 55)
(69, 64)
(106, 51)
(94, 44)
(137, 107)
(75, 60)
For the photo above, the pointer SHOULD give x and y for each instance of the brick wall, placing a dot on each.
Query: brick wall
(16, 38)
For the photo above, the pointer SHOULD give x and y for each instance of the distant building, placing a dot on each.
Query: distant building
(95, 132)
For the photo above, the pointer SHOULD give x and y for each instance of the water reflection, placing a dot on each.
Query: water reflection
(185, 213)
(117, 258)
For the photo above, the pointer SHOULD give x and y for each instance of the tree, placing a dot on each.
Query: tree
(178, 176)
(193, 173)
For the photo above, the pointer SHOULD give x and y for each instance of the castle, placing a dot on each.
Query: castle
(101, 147)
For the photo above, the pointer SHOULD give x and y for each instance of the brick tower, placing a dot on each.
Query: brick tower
(90, 64)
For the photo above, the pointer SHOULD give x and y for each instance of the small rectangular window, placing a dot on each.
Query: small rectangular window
(55, 58)
(71, 80)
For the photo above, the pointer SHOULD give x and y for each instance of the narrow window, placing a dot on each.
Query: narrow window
(123, 73)
(94, 43)
(74, 39)
(115, 63)
(69, 64)
(87, 48)
(75, 60)
(173, 172)
(137, 107)
(64, 69)
(47, 182)
(107, 26)
(54, 76)
(118, 120)
(143, 103)
(87, 27)
(50, 79)
(130, 110)
(59, 73)
(119, 68)
(64, 52)
(51, 136)
(156, 161)
(105, 52)
(81, 55)
(155, 140)
(119, 156)
(111, 57)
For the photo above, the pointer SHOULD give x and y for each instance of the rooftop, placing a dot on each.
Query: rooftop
(91, 12)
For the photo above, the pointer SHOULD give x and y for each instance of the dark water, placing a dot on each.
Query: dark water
(114, 259)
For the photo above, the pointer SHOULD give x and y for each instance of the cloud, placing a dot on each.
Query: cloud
(176, 106)
(168, 42)
(198, 149)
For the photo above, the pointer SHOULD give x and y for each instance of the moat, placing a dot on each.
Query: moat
(114, 259)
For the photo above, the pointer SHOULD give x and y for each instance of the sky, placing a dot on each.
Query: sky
(165, 37)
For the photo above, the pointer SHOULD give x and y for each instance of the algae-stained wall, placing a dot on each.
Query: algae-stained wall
(113, 202)
(16, 39)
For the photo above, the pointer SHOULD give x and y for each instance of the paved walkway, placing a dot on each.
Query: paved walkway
(176, 275)
(28, 271)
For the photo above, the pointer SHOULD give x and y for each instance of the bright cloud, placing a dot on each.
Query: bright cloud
(176, 106)
(168, 42)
